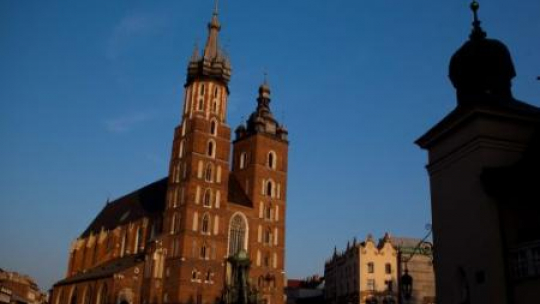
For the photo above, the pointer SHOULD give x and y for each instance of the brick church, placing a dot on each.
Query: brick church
(172, 241)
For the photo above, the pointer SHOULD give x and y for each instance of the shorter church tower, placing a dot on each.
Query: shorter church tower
(260, 155)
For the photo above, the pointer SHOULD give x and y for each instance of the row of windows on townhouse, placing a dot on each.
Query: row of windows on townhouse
(271, 160)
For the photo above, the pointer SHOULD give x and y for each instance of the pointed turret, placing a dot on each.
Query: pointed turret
(213, 63)
(211, 48)
(262, 120)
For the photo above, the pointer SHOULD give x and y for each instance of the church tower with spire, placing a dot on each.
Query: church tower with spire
(214, 212)
(195, 216)
(208, 232)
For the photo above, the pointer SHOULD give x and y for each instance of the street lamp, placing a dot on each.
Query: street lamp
(406, 280)
(406, 285)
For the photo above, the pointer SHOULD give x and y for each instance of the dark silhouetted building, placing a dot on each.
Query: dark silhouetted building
(484, 168)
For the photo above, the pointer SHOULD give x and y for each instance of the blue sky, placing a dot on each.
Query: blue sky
(90, 92)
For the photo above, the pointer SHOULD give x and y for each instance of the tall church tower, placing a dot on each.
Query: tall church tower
(260, 167)
(195, 236)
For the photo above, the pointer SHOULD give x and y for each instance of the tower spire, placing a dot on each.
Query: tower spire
(211, 49)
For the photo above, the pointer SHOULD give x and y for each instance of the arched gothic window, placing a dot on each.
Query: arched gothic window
(205, 226)
(237, 235)
(270, 188)
(201, 104)
(202, 89)
(272, 159)
(209, 172)
(268, 236)
(268, 212)
(204, 252)
(207, 198)
(211, 148)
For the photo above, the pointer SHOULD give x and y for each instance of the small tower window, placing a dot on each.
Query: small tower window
(214, 106)
(269, 188)
(204, 252)
(211, 149)
(243, 158)
(207, 198)
(215, 92)
(205, 224)
(268, 236)
(201, 104)
(268, 212)
(272, 160)
(213, 127)
(209, 173)
(201, 92)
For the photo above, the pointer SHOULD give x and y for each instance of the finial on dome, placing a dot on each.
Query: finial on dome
(265, 77)
(477, 32)
(216, 2)
(264, 89)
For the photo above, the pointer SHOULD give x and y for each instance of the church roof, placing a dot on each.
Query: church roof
(149, 201)
(105, 270)
(144, 202)
(236, 194)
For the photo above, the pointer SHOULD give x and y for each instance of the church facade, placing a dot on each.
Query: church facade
(172, 241)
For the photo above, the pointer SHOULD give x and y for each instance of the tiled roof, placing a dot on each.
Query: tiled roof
(146, 201)
(404, 242)
(105, 270)
(236, 194)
